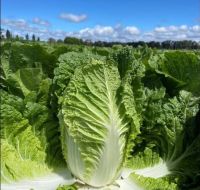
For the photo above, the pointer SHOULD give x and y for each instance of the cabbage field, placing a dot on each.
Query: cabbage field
(82, 117)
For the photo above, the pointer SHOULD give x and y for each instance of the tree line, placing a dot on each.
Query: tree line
(168, 44)
(10, 36)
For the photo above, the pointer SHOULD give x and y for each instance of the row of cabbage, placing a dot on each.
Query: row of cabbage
(118, 118)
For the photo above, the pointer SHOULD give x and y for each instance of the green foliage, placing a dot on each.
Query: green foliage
(28, 148)
(94, 117)
(103, 51)
(179, 70)
(29, 130)
(65, 49)
(79, 115)
(66, 187)
(73, 40)
(67, 63)
(29, 56)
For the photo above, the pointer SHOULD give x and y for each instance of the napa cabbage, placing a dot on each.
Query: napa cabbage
(123, 122)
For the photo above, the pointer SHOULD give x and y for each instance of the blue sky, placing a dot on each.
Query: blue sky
(125, 20)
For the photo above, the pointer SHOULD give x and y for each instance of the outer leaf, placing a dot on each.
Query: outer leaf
(30, 140)
(167, 144)
(181, 71)
(93, 125)
(67, 63)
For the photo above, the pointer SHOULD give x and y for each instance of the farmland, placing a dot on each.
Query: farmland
(92, 113)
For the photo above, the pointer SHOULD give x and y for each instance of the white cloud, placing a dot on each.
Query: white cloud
(173, 28)
(97, 31)
(72, 17)
(14, 23)
(132, 30)
(196, 28)
(41, 22)
(107, 33)
(170, 29)
(160, 29)
(183, 27)
(21, 27)
(182, 32)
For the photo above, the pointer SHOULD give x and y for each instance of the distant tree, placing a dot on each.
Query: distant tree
(17, 37)
(21, 38)
(8, 34)
(59, 41)
(33, 37)
(88, 42)
(99, 43)
(154, 44)
(51, 41)
(1, 35)
(73, 40)
(167, 44)
(27, 37)
(38, 39)
(195, 45)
